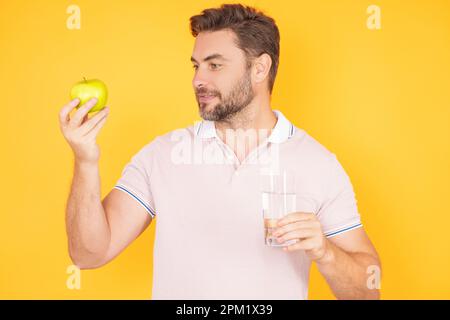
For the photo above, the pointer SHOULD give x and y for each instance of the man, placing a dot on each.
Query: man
(201, 184)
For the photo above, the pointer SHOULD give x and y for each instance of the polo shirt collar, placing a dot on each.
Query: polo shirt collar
(282, 131)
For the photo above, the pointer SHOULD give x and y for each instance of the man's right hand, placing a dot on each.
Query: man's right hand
(81, 131)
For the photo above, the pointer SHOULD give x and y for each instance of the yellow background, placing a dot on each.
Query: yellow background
(379, 99)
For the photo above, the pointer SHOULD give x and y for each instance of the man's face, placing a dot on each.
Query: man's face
(222, 80)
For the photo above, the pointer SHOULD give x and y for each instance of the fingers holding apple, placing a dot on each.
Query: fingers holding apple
(82, 137)
(85, 90)
(81, 115)
(79, 130)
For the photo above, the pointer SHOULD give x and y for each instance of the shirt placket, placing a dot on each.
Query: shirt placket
(240, 166)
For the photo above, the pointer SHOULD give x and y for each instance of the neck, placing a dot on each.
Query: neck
(234, 132)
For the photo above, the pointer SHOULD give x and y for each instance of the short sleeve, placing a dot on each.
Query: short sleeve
(135, 178)
(339, 212)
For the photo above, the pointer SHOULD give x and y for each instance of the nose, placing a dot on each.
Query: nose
(199, 81)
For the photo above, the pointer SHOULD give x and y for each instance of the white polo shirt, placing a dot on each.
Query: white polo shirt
(209, 241)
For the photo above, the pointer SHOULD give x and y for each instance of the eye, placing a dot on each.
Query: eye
(195, 66)
(214, 66)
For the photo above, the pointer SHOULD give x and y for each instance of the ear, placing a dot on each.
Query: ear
(261, 67)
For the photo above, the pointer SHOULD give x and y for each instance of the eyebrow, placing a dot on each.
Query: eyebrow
(210, 57)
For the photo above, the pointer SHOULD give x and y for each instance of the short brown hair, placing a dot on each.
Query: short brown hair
(256, 32)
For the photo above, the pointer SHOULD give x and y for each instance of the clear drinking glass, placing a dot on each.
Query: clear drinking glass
(278, 199)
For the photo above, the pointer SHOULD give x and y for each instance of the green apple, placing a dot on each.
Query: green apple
(88, 89)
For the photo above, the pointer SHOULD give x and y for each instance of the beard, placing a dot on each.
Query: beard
(239, 97)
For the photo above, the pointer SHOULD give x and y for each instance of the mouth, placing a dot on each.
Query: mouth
(205, 98)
